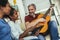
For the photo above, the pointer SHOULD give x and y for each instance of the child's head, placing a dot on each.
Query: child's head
(5, 7)
(13, 14)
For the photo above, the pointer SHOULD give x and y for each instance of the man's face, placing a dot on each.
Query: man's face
(6, 9)
(31, 10)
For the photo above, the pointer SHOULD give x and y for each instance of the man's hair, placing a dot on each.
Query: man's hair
(3, 2)
(32, 5)
(11, 11)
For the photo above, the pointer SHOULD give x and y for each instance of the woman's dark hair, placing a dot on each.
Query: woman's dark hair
(11, 11)
(3, 3)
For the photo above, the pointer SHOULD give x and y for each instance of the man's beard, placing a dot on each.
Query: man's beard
(32, 14)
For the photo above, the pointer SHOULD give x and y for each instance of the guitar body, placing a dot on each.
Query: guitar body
(45, 25)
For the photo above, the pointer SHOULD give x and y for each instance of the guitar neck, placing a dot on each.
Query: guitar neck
(46, 13)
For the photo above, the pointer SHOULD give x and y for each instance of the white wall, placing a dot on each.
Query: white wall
(21, 9)
(11, 2)
(57, 9)
(40, 4)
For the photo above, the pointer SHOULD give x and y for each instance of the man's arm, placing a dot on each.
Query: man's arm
(51, 9)
(30, 29)
(26, 32)
(34, 23)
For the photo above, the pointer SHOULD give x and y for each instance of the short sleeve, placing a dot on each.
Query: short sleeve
(26, 18)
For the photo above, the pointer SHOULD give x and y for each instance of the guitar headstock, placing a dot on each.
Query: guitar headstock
(52, 5)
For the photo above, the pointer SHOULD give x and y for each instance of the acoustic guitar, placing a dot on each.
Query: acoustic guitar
(44, 28)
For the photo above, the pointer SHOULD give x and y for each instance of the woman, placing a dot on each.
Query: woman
(4, 27)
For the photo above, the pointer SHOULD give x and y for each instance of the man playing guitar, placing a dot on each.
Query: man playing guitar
(39, 20)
